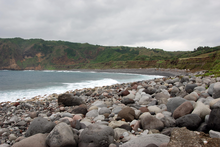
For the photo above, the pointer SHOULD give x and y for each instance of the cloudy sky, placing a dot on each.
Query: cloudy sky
(168, 24)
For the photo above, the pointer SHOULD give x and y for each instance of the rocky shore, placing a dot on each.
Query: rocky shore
(181, 110)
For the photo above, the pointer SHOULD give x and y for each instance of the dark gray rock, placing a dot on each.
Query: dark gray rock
(39, 125)
(168, 121)
(184, 79)
(96, 136)
(214, 120)
(173, 103)
(210, 90)
(190, 121)
(190, 87)
(62, 136)
(80, 110)
(127, 101)
(70, 100)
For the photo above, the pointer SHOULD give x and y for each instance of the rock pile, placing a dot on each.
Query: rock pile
(169, 111)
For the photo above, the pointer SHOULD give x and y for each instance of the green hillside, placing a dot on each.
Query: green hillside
(38, 54)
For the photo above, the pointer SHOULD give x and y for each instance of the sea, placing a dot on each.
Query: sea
(26, 84)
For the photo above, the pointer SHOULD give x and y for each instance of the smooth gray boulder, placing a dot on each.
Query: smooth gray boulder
(62, 136)
(173, 103)
(96, 136)
(39, 125)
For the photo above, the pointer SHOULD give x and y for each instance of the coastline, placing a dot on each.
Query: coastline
(144, 71)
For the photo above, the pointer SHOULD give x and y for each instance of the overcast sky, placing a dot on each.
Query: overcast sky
(167, 24)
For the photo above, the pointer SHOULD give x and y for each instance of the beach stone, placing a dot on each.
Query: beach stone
(80, 110)
(147, 139)
(143, 109)
(183, 137)
(127, 113)
(99, 104)
(126, 127)
(183, 109)
(118, 133)
(12, 137)
(216, 90)
(154, 109)
(5, 145)
(75, 124)
(127, 101)
(116, 109)
(130, 96)
(158, 96)
(190, 87)
(39, 125)
(116, 124)
(192, 96)
(92, 114)
(92, 107)
(201, 110)
(168, 121)
(174, 92)
(149, 122)
(124, 93)
(13, 119)
(96, 136)
(162, 101)
(214, 120)
(104, 110)
(37, 140)
(190, 121)
(210, 90)
(149, 90)
(70, 100)
(173, 103)
(214, 134)
(62, 136)
(200, 88)
(33, 114)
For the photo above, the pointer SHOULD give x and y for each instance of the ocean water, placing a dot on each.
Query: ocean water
(28, 84)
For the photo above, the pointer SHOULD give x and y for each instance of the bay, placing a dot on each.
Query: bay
(28, 83)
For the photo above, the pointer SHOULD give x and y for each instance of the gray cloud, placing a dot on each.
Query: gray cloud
(171, 25)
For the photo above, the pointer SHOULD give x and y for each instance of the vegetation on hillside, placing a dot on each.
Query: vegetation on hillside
(18, 53)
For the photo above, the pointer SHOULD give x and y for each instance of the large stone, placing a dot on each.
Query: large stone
(192, 96)
(215, 103)
(190, 87)
(96, 136)
(92, 114)
(39, 125)
(216, 90)
(173, 103)
(190, 121)
(214, 134)
(62, 136)
(127, 101)
(147, 139)
(183, 109)
(104, 110)
(210, 90)
(214, 120)
(70, 100)
(149, 122)
(181, 137)
(37, 140)
(201, 109)
(154, 109)
(80, 110)
(161, 95)
(127, 113)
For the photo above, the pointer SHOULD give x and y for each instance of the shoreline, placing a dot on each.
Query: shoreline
(144, 71)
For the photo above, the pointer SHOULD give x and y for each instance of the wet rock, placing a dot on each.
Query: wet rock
(149, 122)
(37, 140)
(97, 136)
(147, 139)
(127, 113)
(183, 109)
(70, 100)
(62, 135)
(190, 121)
(214, 120)
(39, 125)
(183, 137)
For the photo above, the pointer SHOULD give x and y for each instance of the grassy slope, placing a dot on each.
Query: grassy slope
(40, 54)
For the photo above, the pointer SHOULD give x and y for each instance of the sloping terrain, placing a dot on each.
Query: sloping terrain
(38, 54)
